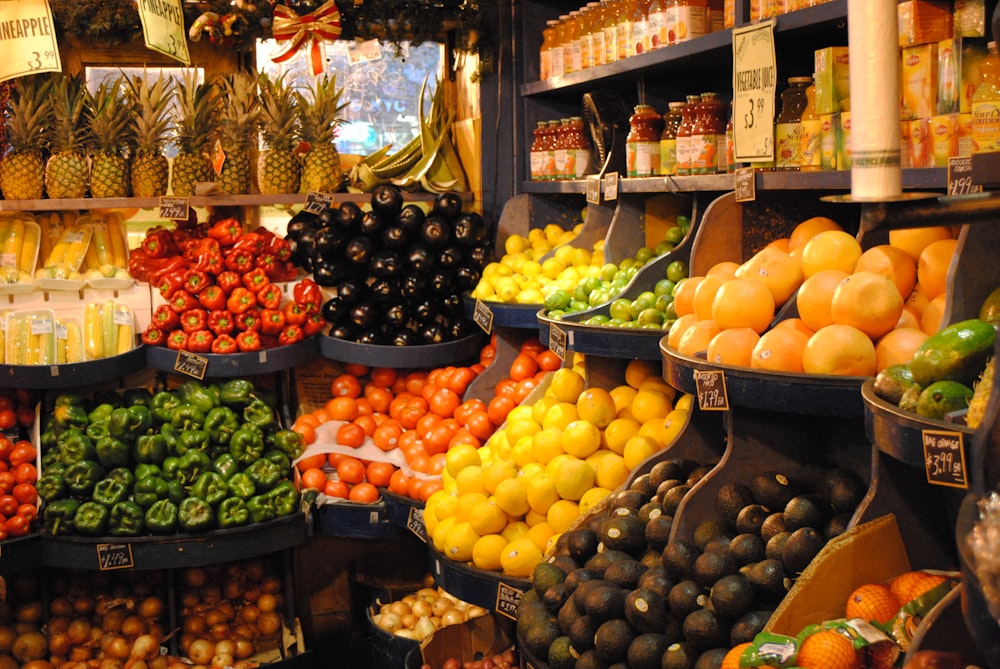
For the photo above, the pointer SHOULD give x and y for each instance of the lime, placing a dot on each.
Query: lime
(664, 247)
(663, 301)
(683, 222)
(597, 319)
(670, 312)
(675, 235)
(608, 271)
(631, 272)
(650, 317)
(626, 263)
(616, 322)
(556, 300)
(647, 297)
(620, 309)
(599, 296)
(663, 287)
(677, 270)
(644, 254)
(578, 304)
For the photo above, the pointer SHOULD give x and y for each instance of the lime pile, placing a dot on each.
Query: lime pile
(651, 309)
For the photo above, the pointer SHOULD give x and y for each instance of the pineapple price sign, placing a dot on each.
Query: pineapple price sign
(28, 39)
(163, 28)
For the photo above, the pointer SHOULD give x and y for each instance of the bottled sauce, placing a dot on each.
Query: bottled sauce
(812, 132)
(545, 53)
(638, 24)
(730, 165)
(668, 139)
(571, 48)
(577, 150)
(709, 128)
(598, 52)
(684, 131)
(686, 19)
(656, 24)
(550, 138)
(986, 104)
(642, 146)
(561, 155)
(788, 125)
(612, 9)
(537, 155)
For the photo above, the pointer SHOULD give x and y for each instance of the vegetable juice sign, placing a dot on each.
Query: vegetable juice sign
(754, 83)
(27, 39)
(163, 28)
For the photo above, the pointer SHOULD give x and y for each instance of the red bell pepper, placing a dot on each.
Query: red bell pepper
(248, 341)
(182, 300)
(314, 324)
(228, 281)
(269, 297)
(154, 336)
(146, 269)
(212, 298)
(170, 282)
(253, 242)
(221, 322)
(284, 271)
(177, 340)
(211, 262)
(238, 260)
(241, 300)
(278, 247)
(255, 279)
(308, 295)
(226, 231)
(267, 262)
(194, 319)
(269, 341)
(200, 341)
(196, 281)
(224, 344)
(159, 243)
(295, 314)
(165, 318)
(196, 247)
(248, 320)
(290, 335)
(272, 321)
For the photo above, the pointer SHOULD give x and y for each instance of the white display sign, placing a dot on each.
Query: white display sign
(27, 39)
(163, 28)
(755, 75)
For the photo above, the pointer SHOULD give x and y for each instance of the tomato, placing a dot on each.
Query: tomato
(312, 462)
(3, 529)
(465, 410)
(6, 448)
(25, 473)
(23, 452)
(25, 415)
(25, 493)
(350, 470)
(463, 436)
(29, 511)
(505, 388)
(307, 431)
(345, 385)
(336, 488)
(398, 481)
(356, 369)
(379, 473)
(384, 376)
(7, 402)
(379, 398)
(386, 435)
(548, 361)
(498, 408)
(366, 423)
(364, 493)
(532, 347)
(7, 482)
(25, 396)
(17, 526)
(411, 414)
(480, 425)
(438, 437)
(414, 487)
(351, 434)
(8, 505)
(524, 388)
(429, 487)
(308, 419)
(313, 478)
(8, 418)
(415, 381)
(523, 367)
(444, 402)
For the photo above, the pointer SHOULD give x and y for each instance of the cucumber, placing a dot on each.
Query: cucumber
(956, 353)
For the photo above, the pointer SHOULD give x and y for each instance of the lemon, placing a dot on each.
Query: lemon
(496, 472)
(459, 541)
(553, 232)
(581, 438)
(520, 557)
(540, 491)
(566, 384)
(551, 267)
(573, 478)
(562, 515)
(530, 296)
(531, 469)
(487, 517)
(523, 452)
(522, 427)
(461, 456)
(441, 531)
(683, 403)
(597, 406)
(486, 552)
(559, 415)
(470, 479)
(656, 383)
(638, 371)
(546, 445)
(540, 534)
(541, 407)
(466, 502)
(623, 396)
(532, 518)
(512, 497)
(519, 413)
(591, 498)
(648, 404)
(637, 449)
(565, 254)
(552, 468)
(515, 244)
(500, 445)
(551, 544)
(619, 431)
(611, 471)
(515, 530)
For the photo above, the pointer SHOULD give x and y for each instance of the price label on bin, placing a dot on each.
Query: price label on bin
(415, 523)
(745, 185)
(557, 341)
(960, 176)
(755, 79)
(944, 458)
(114, 556)
(317, 203)
(191, 364)
(174, 208)
(508, 599)
(711, 388)
(482, 316)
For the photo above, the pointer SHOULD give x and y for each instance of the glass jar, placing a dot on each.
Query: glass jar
(537, 153)
(730, 143)
(577, 150)
(709, 128)
(684, 130)
(788, 125)
(686, 19)
(642, 145)
(668, 139)
(598, 52)
(561, 157)
(986, 104)
(639, 28)
(656, 24)
(545, 53)
(611, 11)
(551, 138)
(559, 47)
(572, 45)
(812, 131)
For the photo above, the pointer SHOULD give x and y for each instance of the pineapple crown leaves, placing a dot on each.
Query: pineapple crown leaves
(70, 100)
(110, 117)
(279, 117)
(319, 110)
(196, 114)
(150, 101)
(30, 109)
(238, 108)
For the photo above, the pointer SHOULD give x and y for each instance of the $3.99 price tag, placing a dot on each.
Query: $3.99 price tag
(944, 458)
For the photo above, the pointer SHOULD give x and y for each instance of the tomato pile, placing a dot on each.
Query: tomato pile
(506, 660)
(421, 413)
(18, 497)
(17, 410)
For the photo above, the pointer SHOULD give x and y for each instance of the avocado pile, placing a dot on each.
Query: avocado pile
(618, 593)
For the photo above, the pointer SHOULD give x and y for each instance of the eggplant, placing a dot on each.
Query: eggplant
(343, 331)
(358, 250)
(435, 232)
(466, 277)
(394, 237)
(330, 243)
(404, 338)
(441, 282)
(352, 291)
(419, 258)
(326, 216)
(371, 337)
(410, 218)
(469, 229)
(372, 225)
(412, 286)
(451, 305)
(383, 291)
(364, 315)
(460, 328)
(397, 315)
(447, 205)
(451, 257)
(323, 274)
(385, 265)
(425, 310)
(480, 256)
(387, 202)
(334, 310)
(298, 223)
(432, 333)
(349, 216)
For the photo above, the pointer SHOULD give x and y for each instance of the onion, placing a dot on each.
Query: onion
(37, 664)
(389, 621)
(424, 628)
(245, 631)
(118, 648)
(211, 594)
(475, 612)
(185, 641)
(267, 602)
(145, 647)
(222, 660)
(244, 648)
(83, 606)
(133, 626)
(441, 605)
(214, 616)
(151, 607)
(58, 660)
(219, 631)
(159, 662)
(194, 625)
(195, 577)
(136, 663)
(452, 617)
(190, 599)
(232, 589)
(24, 628)
(225, 646)
(255, 570)
(8, 662)
(109, 663)
(29, 613)
(29, 646)
(59, 644)
(421, 608)
(271, 584)
(227, 608)
(251, 592)
(57, 625)
(250, 613)
(269, 623)
(409, 620)
(7, 636)
(78, 631)
(113, 620)
(201, 651)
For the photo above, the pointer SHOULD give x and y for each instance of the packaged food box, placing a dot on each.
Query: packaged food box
(918, 82)
(944, 139)
(924, 21)
(831, 78)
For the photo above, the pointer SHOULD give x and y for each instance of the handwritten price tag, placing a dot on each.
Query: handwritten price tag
(114, 556)
(611, 186)
(415, 523)
(508, 599)
(557, 341)
(190, 364)
(944, 458)
(960, 176)
(482, 316)
(163, 28)
(755, 78)
(711, 388)
(594, 189)
(317, 203)
(746, 185)
(175, 208)
(29, 39)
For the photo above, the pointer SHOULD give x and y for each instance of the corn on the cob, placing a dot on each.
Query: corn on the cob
(12, 240)
(125, 338)
(117, 236)
(29, 356)
(110, 329)
(4, 227)
(80, 240)
(60, 342)
(44, 243)
(74, 342)
(91, 259)
(59, 251)
(93, 331)
(29, 248)
(45, 346)
(100, 243)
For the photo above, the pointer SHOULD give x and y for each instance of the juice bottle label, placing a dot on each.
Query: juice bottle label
(788, 145)
(623, 39)
(986, 126)
(640, 41)
(573, 62)
(580, 161)
(668, 156)
(684, 23)
(562, 163)
(811, 150)
(656, 28)
(643, 158)
(538, 165)
(597, 48)
(703, 150)
(549, 171)
(610, 44)
(586, 55)
(545, 65)
(722, 153)
(558, 62)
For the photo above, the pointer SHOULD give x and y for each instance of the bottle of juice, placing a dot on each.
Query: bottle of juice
(571, 48)
(812, 131)
(623, 37)
(686, 19)
(545, 53)
(577, 149)
(684, 131)
(612, 8)
(642, 146)
(668, 140)
(986, 104)
(639, 25)
(656, 24)
(586, 43)
(598, 51)
(708, 127)
(788, 125)
(559, 47)
(537, 154)
(551, 137)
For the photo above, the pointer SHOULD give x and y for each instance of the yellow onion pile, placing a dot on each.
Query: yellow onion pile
(419, 615)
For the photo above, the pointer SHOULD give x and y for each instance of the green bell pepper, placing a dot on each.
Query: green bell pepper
(192, 440)
(100, 413)
(124, 475)
(106, 397)
(52, 465)
(64, 399)
(264, 474)
(161, 517)
(191, 465)
(128, 423)
(259, 413)
(176, 492)
(246, 445)
(225, 466)
(112, 452)
(279, 458)
(170, 467)
(51, 487)
(290, 442)
(187, 417)
(143, 470)
(170, 436)
(68, 416)
(261, 508)
(127, 519)
(137, 397)
(108, 492)
(98, 430)
(74, 446)
(195, 515)
(162, 405)
(57, 517)
(91, 519)
(149, 490)
(193, 392)
(233, 512)
(150, 449)
(82, 476)
(285, 498)
(47, 439)
(241, 485)
(221, 422)
(236, 393)
(210, 487)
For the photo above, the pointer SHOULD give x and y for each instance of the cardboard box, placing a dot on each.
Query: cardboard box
(964, 135)
(831, 78)
(970, 18)
(479, 637)
(918, 82)
(872, 552)
(828, 140)
(924, 21)
(844, 160)
(944, 139)
(920, 143)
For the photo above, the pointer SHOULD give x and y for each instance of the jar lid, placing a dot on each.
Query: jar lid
(675, 105)
(800, 80)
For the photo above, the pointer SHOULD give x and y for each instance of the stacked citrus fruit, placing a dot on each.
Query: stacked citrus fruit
(858, 310)
(502, 505)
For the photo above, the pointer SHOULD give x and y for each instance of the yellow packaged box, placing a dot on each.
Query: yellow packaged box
(829, 137)
(918, 82)
(944, 139)
(831, 78)
(844, 160)
(964, 130)
(924, 21)
(919, 145)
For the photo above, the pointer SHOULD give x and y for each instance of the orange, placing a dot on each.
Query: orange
(893, 263)
(596, 406)
(732, 658)
(649, 404)
(932, 267)
(918, 300)
(815, 295)
(908, 319)
(808, 229)
(796, 324)
(781, 244)
(872, 602)
(684, 294)
(678, 329)
(732, 347)
(779, 350)
(910, 585)
(827, 650)
(833, 249)
(705, 293)
(933, 317)
(695, 339)
(780, 272)
(743, 303)
(898, 346)
(840, 350)
(725, 267)
(915, 240)
(868, 301)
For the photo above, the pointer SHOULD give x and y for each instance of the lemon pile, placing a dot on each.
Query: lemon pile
(503, 505)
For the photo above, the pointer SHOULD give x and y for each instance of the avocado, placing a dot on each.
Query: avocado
(581, 633)
(567, 614)
(605, 602)
(643, 484)
(943, 397)
(658, 531)
(774, 545)
(801, 547)
(594, 521)
(843, 490)
(563, 560)
(584, 589)
(589, 660)
(649, 511)
(698, 473)
(767, 576)
(679, 656)
(529, 614)
(679, 558)
(651, 558)
(684, 598)
(646, 610)
(646, 651)
(664, 470)
(891, 382)
(908, 401)
(711, 659)
(581, 544)
(630, 498)
(719, 543)
(773, 524)
(672, 498)
(560, 654)
(710, 529)
(624, 533)
(837, 525)
(540, 635)
(655, 578)
(746, 548)
(750, 518)
(748, 626)
(625, 573)
(612, 639)
(731, 596)
(713, 565)
(600, 561)
(773, 489)
(545, 575)
(957, 352)
(706, 629)
(555, 597)
(666, 485)
(804, 511)
(731, 498)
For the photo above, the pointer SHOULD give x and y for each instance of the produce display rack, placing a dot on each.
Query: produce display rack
(401, 357)
(49, 377)
(350, 520)
(491, 590)
(231, 365)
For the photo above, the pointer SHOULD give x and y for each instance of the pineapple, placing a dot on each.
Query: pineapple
(319, 114)
(195, 122)
(150, 123)
(981, 397)
(22, 170)
(66, 168)
(237, 127)
(110, 122)
(278, 167)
